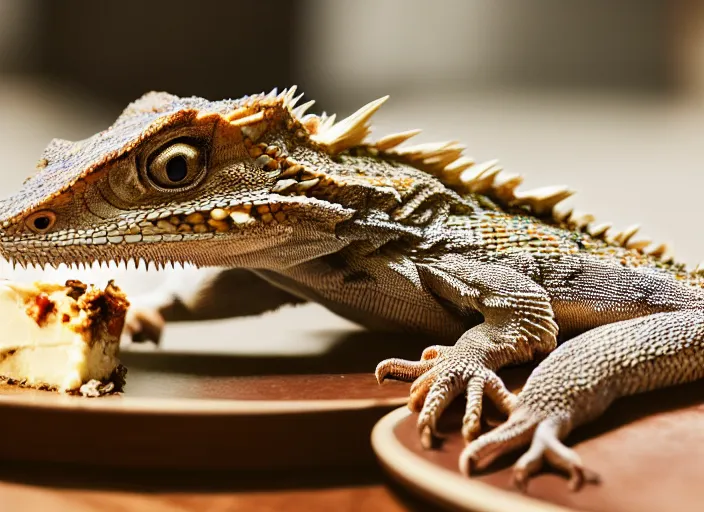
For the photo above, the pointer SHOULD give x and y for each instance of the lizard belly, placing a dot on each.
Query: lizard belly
(378, 296)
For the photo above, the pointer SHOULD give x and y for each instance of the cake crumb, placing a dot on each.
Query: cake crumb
(94, 388)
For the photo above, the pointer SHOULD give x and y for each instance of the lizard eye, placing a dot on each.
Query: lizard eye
(41, 222)
(177, 166)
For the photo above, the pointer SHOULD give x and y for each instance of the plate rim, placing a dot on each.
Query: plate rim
(440, 484)
(121, 404)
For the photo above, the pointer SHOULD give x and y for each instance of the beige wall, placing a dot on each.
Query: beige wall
(355, 47)
(16, 38)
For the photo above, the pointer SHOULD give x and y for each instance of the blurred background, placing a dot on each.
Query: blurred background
(605, 97)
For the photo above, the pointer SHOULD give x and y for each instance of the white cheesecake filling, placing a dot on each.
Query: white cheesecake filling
(59, 351)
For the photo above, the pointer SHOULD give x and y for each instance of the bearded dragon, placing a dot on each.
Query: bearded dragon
(297, 207)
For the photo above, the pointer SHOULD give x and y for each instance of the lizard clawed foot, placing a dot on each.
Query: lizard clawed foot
(546, 445)
(442, 373)
(144, 324)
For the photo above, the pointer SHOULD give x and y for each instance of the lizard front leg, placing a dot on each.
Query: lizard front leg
(577, 382)
(203, 294)
(518, 321)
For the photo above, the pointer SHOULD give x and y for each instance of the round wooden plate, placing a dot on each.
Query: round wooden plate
(648, 451)
(204, 411)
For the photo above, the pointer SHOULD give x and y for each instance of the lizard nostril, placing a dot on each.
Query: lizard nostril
(41, 222)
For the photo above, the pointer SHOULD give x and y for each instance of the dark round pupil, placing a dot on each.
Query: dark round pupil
(177, 168)
(42, 222)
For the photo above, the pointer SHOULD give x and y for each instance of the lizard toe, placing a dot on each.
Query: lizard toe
(561, 457)
(508, 436)
(144, 324)
(496, 390)
(420, 389)
(444, 389)
(485, 382)
(471, 422)
(401, 369)
(546, 445)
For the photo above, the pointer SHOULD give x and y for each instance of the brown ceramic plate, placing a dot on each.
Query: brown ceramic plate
(204, 411)
(647, 449)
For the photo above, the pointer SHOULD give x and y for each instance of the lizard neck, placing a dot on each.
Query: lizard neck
(392, 202)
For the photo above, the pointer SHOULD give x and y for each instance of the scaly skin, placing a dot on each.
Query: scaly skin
(574, 385)
(416, 239)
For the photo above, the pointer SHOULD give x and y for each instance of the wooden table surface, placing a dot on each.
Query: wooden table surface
(75, 489)
(45, 486)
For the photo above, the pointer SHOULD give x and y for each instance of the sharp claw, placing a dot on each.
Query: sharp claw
(401, 369)
(381, 371)
(519, 480)
(387, 367)
(427, 428)
(576, 479)
(427, 437)
(470, 430)
(465, 463)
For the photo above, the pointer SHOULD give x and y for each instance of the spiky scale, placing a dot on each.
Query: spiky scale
(350, 131)
(476, 171)
(457, 167)
(300, 111)
(505, 190)
(624, 236)
(600, 229)
(483, 180)
(292, 103)
(394, 139)
(542, 201)
(639, 244)
(579, 220)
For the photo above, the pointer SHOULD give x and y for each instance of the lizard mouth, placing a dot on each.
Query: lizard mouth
(227, 232)
(171, 227)
(143, 238)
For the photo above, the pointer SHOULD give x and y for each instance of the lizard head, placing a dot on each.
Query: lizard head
(232, 182)
(178, 180)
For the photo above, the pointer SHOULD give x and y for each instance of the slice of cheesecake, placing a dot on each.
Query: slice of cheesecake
(61, 337)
